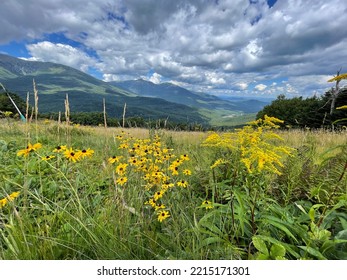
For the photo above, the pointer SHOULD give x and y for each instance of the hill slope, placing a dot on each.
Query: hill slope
(174, 93)
(86, 93)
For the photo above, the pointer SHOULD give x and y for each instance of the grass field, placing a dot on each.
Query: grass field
(73, 192)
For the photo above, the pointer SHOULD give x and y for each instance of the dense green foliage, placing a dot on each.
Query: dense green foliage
(312, 112)
(7, 106)
(97, 119)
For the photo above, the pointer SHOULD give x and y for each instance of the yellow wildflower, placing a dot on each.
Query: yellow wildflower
(3, 202)
(151, 202)
(158, 195)
(124, 146)
(29, 148)
(187, 172)
(85, 153)
(207, 204)
(23, 152)
(173, 168)
(121, 168)
(218, 162)
(162, 215)
(342, 107)
(10, 197)
(114, 159)
(159, 206)
(185, 157)
(59, 149)
(122, 180)
(71, 155)
(46, 158)
(14, 195)
(339, 77)
(182, 183)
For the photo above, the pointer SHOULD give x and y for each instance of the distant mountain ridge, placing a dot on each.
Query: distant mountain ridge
(143, 98)
(86, 93)
(177, 94)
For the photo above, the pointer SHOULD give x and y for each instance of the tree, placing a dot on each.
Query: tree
(296, 112)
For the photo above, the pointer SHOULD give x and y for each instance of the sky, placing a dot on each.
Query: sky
(222, 47)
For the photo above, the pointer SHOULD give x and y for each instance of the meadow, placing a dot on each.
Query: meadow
(77, 192)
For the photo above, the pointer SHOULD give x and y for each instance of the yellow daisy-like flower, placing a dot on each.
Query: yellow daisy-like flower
(71, 155)
(207, 204)
(162, 215)
(158, 195)
(114, 159)
(3, 202)
(187, 172)
(29, 148)
(182, 183)
(46, 158)
(59, 149)
(35, 146)
(167, 184)
(151, 202)
(121, 168)
(159, 206)
(133, 161)
(14, 195)
(122, 180)
(11, 197)
(123, 146)
(85, 153)
(185, 157)
(174, 169)
(23, 152)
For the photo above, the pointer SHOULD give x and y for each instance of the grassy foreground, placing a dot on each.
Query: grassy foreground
(69, 192)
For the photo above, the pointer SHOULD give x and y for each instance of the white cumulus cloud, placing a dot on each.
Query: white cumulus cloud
(60, 53)
(212, 45)
(260, 87)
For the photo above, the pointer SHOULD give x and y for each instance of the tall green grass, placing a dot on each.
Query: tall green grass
(71, 210)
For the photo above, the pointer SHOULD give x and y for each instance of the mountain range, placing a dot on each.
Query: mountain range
(142, 98)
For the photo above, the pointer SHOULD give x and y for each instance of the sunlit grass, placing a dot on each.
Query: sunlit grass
(215, 204)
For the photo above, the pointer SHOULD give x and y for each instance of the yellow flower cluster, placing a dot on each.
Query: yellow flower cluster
(342, 107)
(30, 148)
(10, 197)
(69, 153)
(255, 143)
(339, 77)
(156, 166)
(76, 155)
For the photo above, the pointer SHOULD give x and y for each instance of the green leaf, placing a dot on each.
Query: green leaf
(300, 207)
(277, 250)
(241, 211)
(342, 235)
(313, 252)
(211, 227)
(281, 226)
(290, 249)
(343, 222)
(260, 245)
(312, 211)
(262, 257)
(211, 240)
